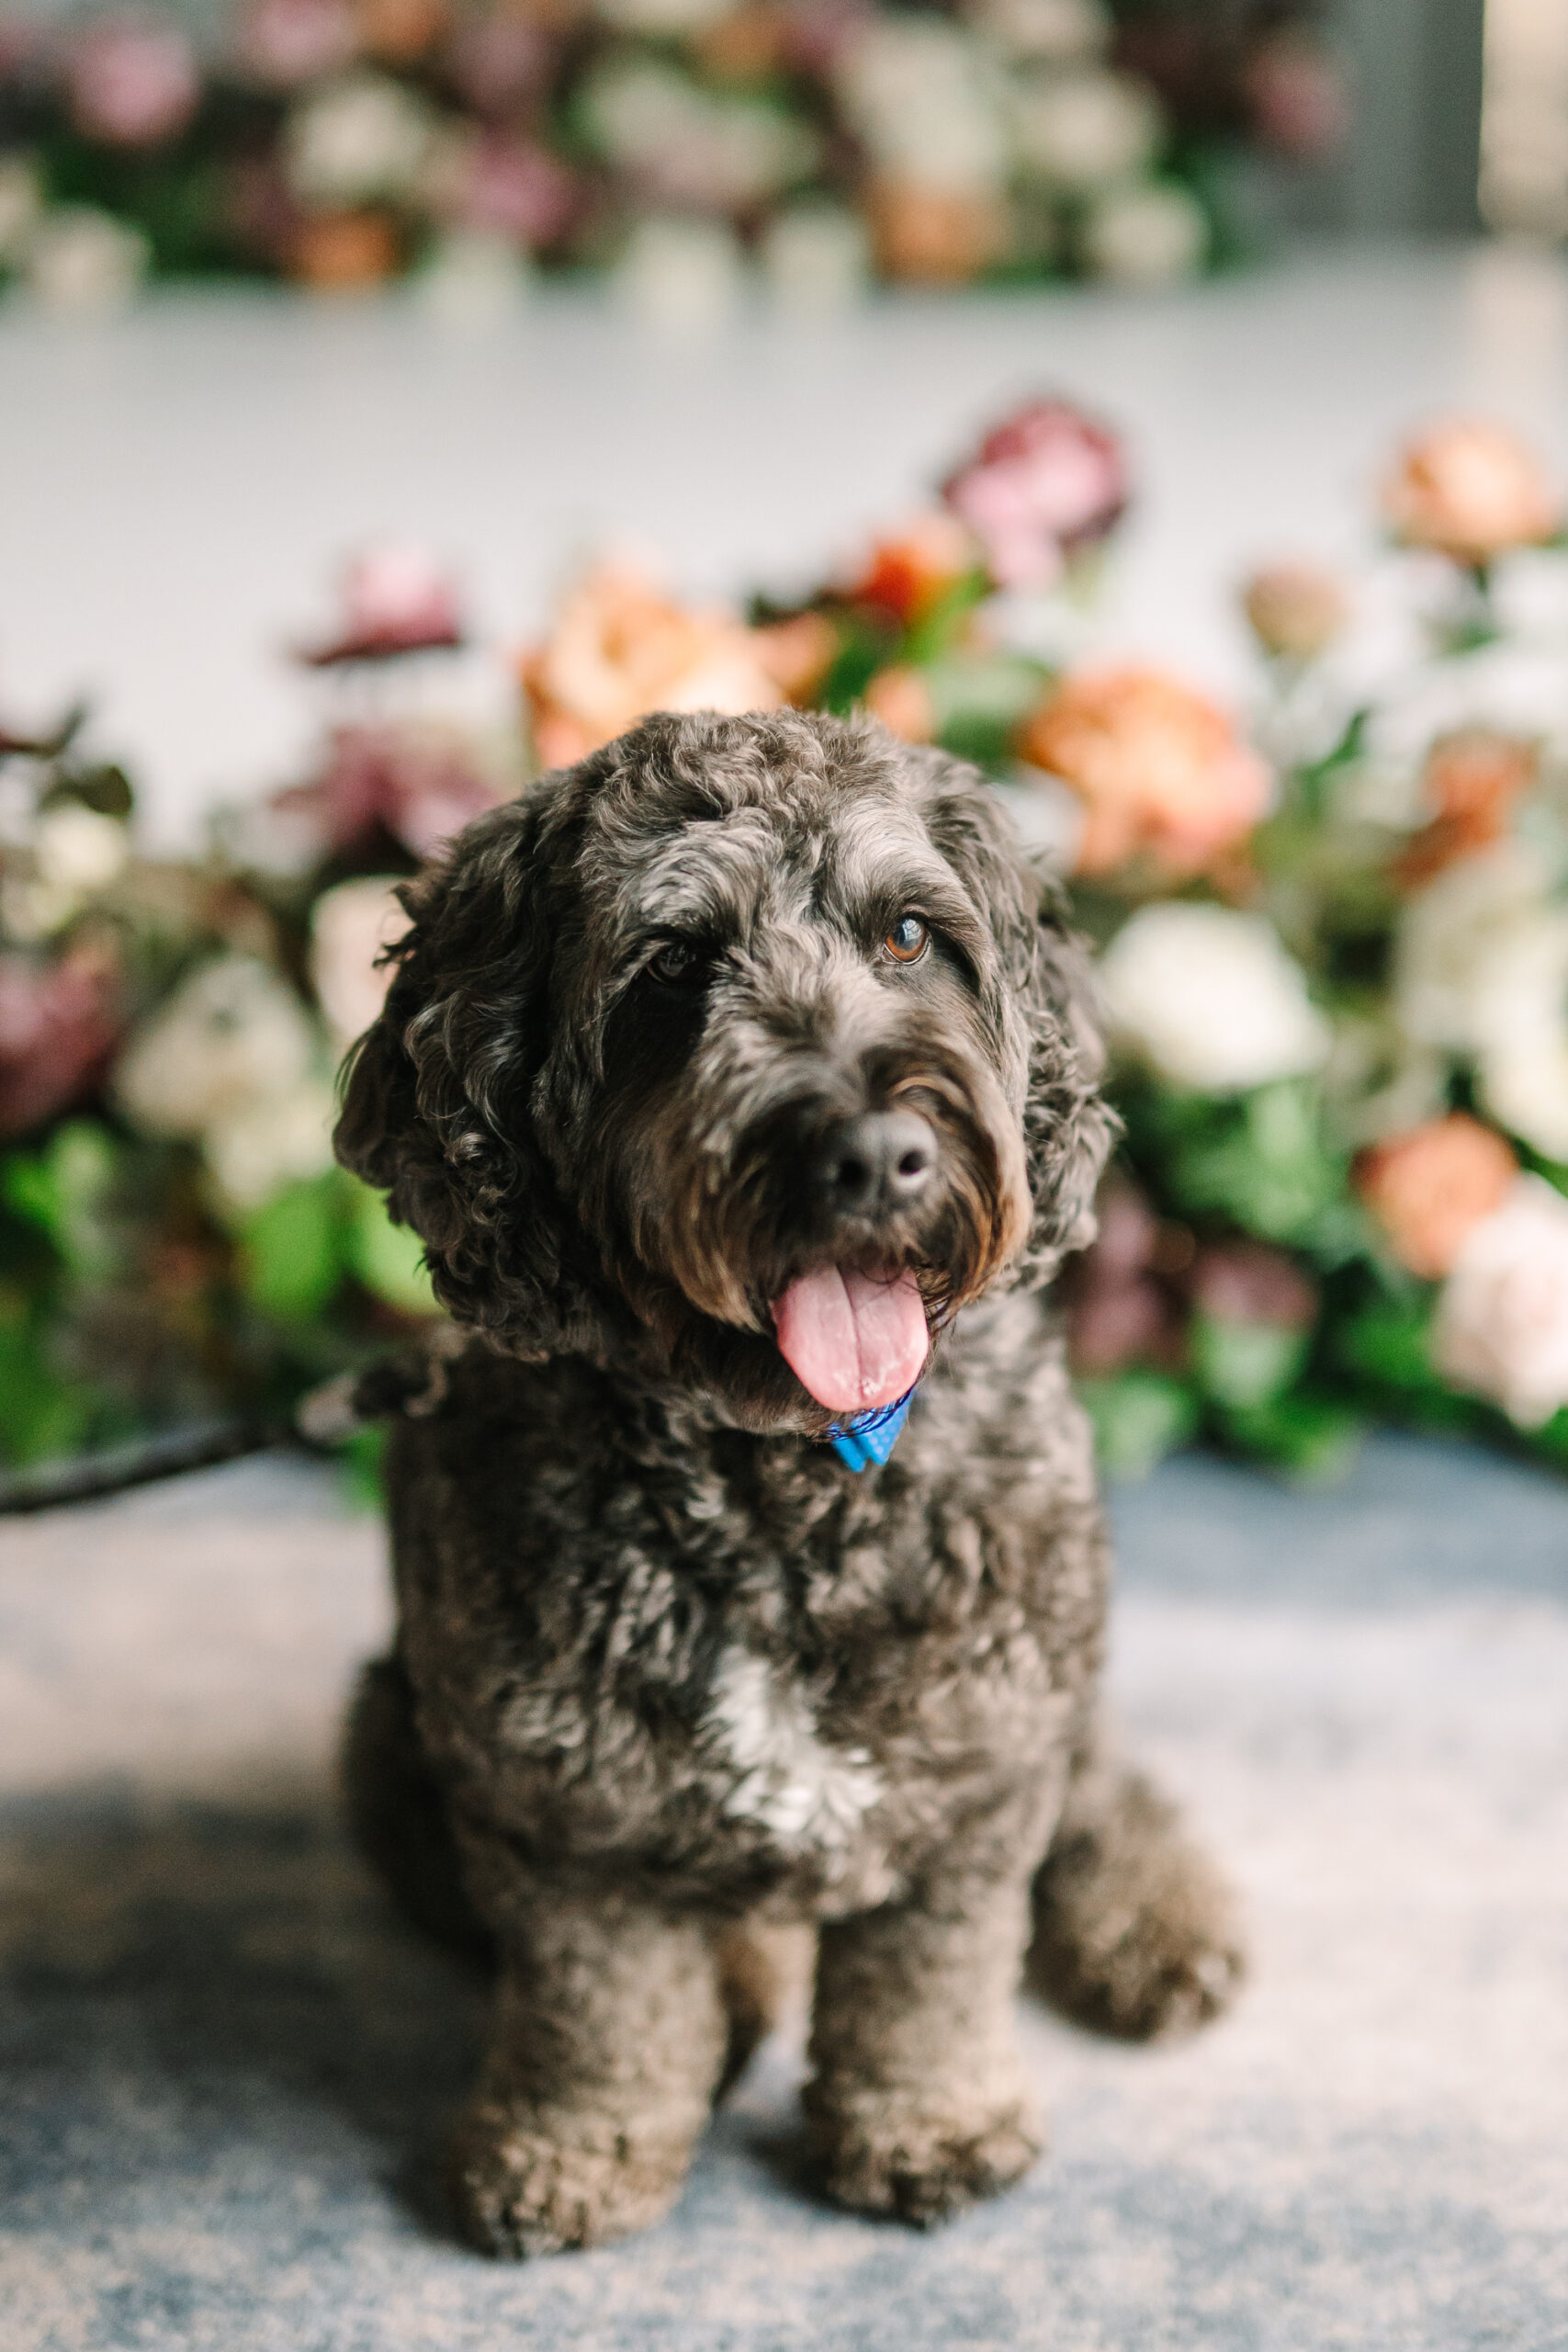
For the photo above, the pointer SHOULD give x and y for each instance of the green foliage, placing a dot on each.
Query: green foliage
(1244, 1366)
(1139, 1416)
(388, 1258)
(292, 1255)
(1259, 1162)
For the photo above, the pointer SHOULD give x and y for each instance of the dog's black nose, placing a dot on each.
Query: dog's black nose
(876, 1164)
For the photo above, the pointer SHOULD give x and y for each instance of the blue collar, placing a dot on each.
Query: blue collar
(867, 1442)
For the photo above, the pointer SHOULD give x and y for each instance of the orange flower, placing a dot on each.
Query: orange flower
(1470, 489)
(910, 573)
(935, 236)
(1159, 769)
(620, 649)
(900, 697)
(339, 253)
(1429, 1187)
(797, 653)
(1472, 779)
(1296, 610)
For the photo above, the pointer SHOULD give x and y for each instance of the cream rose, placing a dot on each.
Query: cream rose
(1501, 1328)
(232, 1035)
(254, 1152)
(1210, 998)
(351, 927)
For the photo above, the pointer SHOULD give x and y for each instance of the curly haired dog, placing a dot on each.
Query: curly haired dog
(736, 1081)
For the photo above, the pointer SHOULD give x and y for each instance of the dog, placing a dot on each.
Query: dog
(740, 1081)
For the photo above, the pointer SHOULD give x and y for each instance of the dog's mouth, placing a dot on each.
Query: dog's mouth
(853, 1340)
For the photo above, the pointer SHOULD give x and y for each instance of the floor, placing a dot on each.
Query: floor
(225, 2064)
(178, 486)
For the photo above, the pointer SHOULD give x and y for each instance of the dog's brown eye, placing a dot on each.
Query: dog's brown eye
(906, 942)
(675, 962)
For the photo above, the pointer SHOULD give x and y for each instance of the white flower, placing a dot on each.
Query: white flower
(690, 147)
(79, 849)
(472, 276)
(1210, 998)
(81, 261)
(1151, 235)
(1082, 130)
(816, 258)
(1058, 29)
(681, 275)
(232, 1036)
(1520, 1028)
(356, 139)
(663, 19)
(1451, 931)
(21, 201)
(923, 100)
(351, 926)
(1501, 1328)
(253, 1153)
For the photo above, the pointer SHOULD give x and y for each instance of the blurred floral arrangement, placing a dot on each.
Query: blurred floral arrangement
(1333, 954)
(685, 143)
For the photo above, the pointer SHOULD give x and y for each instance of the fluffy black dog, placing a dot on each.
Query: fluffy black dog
(737, 1081)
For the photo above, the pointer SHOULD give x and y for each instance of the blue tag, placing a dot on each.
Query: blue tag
(867, 1440)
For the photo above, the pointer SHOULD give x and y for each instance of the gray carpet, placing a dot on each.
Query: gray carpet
(224, 2064)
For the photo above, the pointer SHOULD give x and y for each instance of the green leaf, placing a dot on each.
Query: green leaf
(63, 1190)
(291, 1253)
(1312, 1438)
(388, 1258)
(1139, 1416)
(1243, 1365)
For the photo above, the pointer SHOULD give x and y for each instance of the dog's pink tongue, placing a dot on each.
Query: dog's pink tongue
(853, 1343)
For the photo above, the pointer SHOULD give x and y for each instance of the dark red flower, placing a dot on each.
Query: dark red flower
(1246, 1282)
(397, 600)
(59, 1024)
(419, 782)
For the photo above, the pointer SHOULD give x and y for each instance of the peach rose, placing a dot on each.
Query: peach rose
(339, 253)
(1431, 1188)
(621, 648)
(1470, 489)
(1296, 610)
(935, 236)
(901, 699)
(1159, 769)
(1473, 780)
(797, 653)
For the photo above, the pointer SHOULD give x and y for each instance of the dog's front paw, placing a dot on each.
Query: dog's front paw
(520, 2188)
(1134, 1931)
(891, 2155)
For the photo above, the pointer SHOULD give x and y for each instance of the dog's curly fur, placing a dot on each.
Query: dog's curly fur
(667, 1675)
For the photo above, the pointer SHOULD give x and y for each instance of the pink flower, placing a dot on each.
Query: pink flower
(133, 80)
(1296, 89)
(1043, 484)
(58, 1027)
(397, 600)
(499, 61)
(513, 188)
(419, 782)
(289, 42)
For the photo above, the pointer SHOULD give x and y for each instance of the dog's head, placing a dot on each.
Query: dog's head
(751, 1042)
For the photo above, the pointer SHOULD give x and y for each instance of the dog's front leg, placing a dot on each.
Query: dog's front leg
(609, 2039)
(917, 2105)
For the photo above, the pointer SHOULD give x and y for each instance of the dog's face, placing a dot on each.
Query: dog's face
(749, 1042)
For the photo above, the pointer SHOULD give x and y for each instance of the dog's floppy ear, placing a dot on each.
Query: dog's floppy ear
(438, 1107)
(1046, 982)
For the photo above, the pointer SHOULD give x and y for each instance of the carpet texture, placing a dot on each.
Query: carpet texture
(223, 2063)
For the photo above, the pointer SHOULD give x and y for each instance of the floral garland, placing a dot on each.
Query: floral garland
(1332, 955)
(343, 142)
